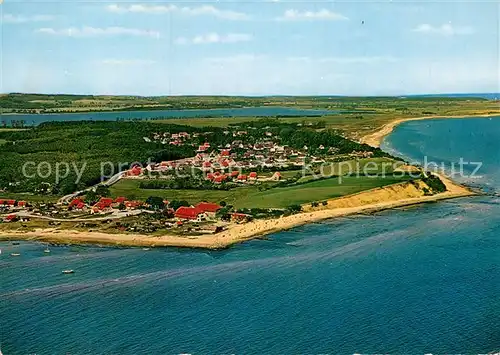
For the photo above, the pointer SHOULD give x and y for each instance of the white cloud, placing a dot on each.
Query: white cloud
(185, 10)
(137, 8)
(238, 59)
(323, 14)
(98, 32)
(128, 62)
(210, 38)
(446, 29)
(345, 60)
(15, 19)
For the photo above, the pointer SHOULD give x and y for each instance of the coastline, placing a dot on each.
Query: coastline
(375, 139)
(364, 202)
(370, 201)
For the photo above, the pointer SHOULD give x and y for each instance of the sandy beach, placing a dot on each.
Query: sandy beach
(393, 196)
(376, 138)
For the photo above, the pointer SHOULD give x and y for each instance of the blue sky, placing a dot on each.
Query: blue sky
(250, 48)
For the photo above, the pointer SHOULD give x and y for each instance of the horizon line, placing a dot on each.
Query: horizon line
(259, 95)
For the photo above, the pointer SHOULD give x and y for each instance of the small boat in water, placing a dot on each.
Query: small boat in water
(15, 254)
(146, 249)
(47, 251)
(68, 271)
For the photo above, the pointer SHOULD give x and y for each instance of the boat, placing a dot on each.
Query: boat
(15, 243)
(146, 249)
(15, 254)
(68, 271)
(47, 251)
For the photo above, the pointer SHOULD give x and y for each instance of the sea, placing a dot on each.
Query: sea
(416, 280)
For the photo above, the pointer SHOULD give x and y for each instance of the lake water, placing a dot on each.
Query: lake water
(416, 280)
(128, 115)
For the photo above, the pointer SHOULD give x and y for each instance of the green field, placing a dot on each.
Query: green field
(28, 197)
(251, 197)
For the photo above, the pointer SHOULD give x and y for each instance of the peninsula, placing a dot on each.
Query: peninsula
(213, 182)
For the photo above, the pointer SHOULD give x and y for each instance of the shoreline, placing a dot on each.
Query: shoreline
(370, 201)
(375, 139)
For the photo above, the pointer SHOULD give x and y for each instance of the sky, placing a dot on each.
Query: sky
(258, 47)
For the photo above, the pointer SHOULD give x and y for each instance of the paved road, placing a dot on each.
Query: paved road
(111, 181)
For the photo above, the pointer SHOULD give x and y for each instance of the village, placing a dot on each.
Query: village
(232, 158)
(123, 215)
(240, 158)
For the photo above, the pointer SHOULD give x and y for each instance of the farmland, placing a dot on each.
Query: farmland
(251, 197)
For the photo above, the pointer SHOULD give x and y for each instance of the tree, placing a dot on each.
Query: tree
(91, 198)
(155, 202)
(176, 204)
(67, 186)
(102, 190)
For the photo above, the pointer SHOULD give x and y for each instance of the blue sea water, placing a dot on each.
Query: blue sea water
(36, 119)
(418, 280)
(475, 142)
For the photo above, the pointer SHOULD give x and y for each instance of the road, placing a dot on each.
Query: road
(111, 181)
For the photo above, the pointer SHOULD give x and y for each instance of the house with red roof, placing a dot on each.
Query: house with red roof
(120, 199)
(10, 218)
(277, 176)
(77, 204)
(220, 179)
(189, 213)
(11, 203)
(252, 176)
(207, 165)
(132, 205)
(103, 204)
(242, 178)
(135, 171)
(21, 203)
(209, 209)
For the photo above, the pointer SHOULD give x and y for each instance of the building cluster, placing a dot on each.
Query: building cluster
(177, 139)
(104, 205)
(11, 204)
(203, 211)
(223, 163)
